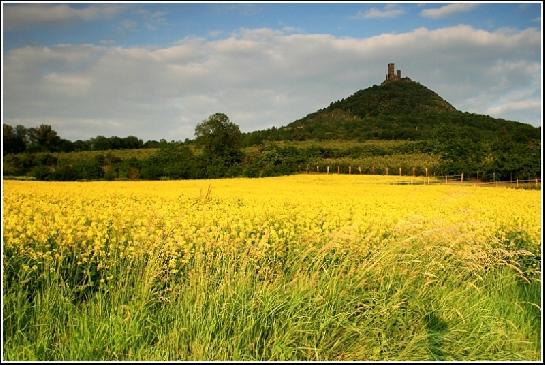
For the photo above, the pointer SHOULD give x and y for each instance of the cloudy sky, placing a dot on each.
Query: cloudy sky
(156, 70)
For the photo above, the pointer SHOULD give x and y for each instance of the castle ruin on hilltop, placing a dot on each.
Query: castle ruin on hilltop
(392, 75)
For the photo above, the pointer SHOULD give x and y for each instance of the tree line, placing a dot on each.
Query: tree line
(43, 138)
(218, 151)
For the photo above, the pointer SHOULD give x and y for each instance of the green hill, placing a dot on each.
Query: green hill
(401, 109)
(399, 97)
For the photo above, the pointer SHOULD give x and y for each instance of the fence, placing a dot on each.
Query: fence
(459, 179)
(429, 177)
(370, 170)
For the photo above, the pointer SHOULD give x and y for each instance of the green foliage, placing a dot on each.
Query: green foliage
(402, 97)
(300, 306)
(172, 161)
(452, 154)
(45, 173)
(89, 170)
(40, 139)
(520, 251)
(62, 173)
(101, 143)
(405, 110)
(45, 139)
(505, 156)
(219, 137)
(272, 160)
(13, 139)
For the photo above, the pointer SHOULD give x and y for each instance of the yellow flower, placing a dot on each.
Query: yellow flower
(257, 218)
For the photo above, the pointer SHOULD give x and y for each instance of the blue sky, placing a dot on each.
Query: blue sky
(165, 23)
(318, 53)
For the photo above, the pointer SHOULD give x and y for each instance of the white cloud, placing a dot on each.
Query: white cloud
(23, 15)
(152, 19)
(244, 9)
(447, 10)
(515, 105)
(127, 26)
(215, 33)
(261, 78)
(389, 11)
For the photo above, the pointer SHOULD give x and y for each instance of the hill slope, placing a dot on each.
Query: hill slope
(401, 109)
(400, 97)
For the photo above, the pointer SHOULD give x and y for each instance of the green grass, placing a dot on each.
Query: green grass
(344, 144)
(393, 303)
(380, 163)
(336, 144)
(139, 154)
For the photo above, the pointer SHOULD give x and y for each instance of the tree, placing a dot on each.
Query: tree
(219, 136)
(100, 143)
(172, 161)
(43, 138)
(13, 140)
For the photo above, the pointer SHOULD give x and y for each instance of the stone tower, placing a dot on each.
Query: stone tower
(392, 75)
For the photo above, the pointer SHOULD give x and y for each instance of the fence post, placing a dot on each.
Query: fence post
(414, 172)
(494, 178)
(462, 177)
(446, 179)
(317, 169)
(400, 171)
(328, 170)
(517, 183)
(427, 178)
(359, 169)
(349, 170)
(386, 171)
(338, 169)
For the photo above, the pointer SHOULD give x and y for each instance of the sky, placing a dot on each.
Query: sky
(155, 70)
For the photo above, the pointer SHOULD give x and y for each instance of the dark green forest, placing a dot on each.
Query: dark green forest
(399, 124)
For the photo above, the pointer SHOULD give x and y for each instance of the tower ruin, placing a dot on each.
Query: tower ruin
(392, 75)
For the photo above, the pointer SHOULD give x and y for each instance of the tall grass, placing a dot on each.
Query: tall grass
(383, 300)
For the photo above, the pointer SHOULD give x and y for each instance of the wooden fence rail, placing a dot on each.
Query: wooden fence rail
(429, 178)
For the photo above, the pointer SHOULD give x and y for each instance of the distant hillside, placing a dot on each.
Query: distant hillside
(401, 109)
(401, 97)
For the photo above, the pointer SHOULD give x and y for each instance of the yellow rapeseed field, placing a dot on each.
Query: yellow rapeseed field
(261, 215)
